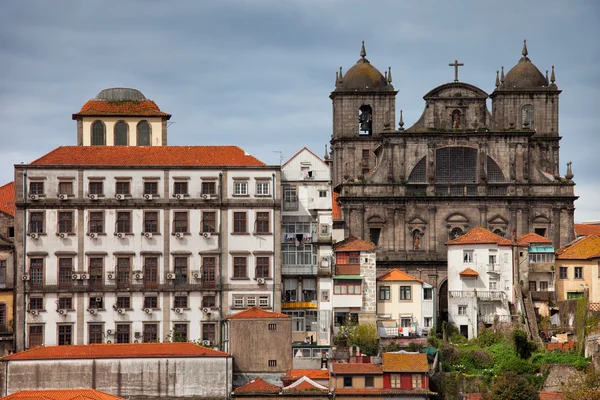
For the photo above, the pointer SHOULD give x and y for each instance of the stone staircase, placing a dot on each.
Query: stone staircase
(524, 297)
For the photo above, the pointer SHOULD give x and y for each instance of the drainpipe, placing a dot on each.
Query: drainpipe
(220, 241)
(24, 258)
(274, 240)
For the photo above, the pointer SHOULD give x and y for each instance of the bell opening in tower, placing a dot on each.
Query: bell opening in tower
(365, 120)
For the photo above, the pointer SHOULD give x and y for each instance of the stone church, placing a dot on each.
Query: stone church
(459, 166)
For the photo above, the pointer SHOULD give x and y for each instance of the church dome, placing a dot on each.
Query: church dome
(362, 75)
(120, 94)
(524, 75)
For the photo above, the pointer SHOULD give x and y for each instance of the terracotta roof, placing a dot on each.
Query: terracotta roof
(587, 229)
(397, 275)
(380, 391)
(529, 238)
(7, 198)
(551, 396)
(309, 373)
(586, 248)
(258, 386)
(336, 209)
(257, 313)
(62, 394)
(356, 368)
(149, 155)
(130, 108)
(353, 244)
(480, 235)
(468, 272)
(123, 350)
(305, 384)
(405, 362)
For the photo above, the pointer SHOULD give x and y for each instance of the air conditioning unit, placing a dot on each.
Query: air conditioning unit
(206, 310)
(206, 196)
(109, 332)
(170, 275)
(260, 281)
(148, 196)
(92, 311)
(147, 310)
(206, 235)
(179, 235)
(137, 334)
(25, 277)
(196, 275)
(98, 299)
(62, 235)
(92, 235)
(206, 343)
(34, 235)
(120, 235)
(178, 310)
(34, 312)
(111, 275)
(121, 311)
(179, 196)
(63, 197)
(34, 197)
(148, 235)
(93, 196)
(62, 311)
(84, 276)
(138, 275)
(120, 197)
(75, 276)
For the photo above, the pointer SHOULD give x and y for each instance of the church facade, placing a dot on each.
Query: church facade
(459, 166)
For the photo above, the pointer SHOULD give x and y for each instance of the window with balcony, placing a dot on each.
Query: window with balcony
(181, 271)
(290, 287)
(209, 221)
(541, 257)
(65, 272)
(239, 222)
(262, 223)
(151, 222)
(348, 257)
(123, 333)
(96, 265)
(123, 224)
(290, 198)
(65, 222)
(208, 271)
(302, 258)
(123, 272)
(96, 222)
(36, 222)
(150, 271)
(65, 335)
(240, 267)
(95, 334)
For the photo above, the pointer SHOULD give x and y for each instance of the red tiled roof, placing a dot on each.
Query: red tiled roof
(397, 275)
(583, 249)
(529, 238)
(336, 209)
(309, 373)
(473, 396)
(551, 396)
(468, 272)
(380, 391)
(257, 313)
(123, 350)
(7, 198)
(353, 244)
(405, 362)
(356, 368)
(132, 108)
(62, 394)
(258, 386)
(149, 155)
(587, 229)
(480, 235)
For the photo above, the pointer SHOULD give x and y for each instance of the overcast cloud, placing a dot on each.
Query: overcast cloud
(258, 74)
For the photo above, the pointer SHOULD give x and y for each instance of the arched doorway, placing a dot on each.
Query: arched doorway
(443, 304)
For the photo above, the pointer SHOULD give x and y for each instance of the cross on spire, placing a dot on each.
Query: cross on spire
(456, 64)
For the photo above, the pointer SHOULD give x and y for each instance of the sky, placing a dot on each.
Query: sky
(258, 74)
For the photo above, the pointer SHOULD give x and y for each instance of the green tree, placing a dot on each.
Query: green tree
(583, 386)
(511, 386)
(523, 346)
(365, 336)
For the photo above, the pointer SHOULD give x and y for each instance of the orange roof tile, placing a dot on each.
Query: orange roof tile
(587, 229)
(309, 373)
(62, 394)
(468, 272)
(551, 396)
(257, 313)
(397, 275)
(131, 108)
(149, 155)
(7, 198)
(353, 244)
(586, 248)
(355, 368)
(258, 386)
(405, 362)
(123, 350)
(529, 238)
(480, 235)
(336, 209)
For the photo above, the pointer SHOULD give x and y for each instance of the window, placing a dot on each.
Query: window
(468, 256)
(181, 270)
(208, 301)
(11, 231)
(121, 134)
(209, 222)
(123, 333)
(347, 381)
(263, 301)
(347, 288)
(574, 295)
(123, 302)
(563, 273)
(348, 257)
(494, 285)
(36, 335)
(143, 133)
(240, 188)
(384, 293)
(65, 303)
(374, 234)
(493, 259)
(462, 310)
(96, 302)
(209, 188)
(65, 333)
(325, 295)
(405, 322)
(208, 332)
(262, 188)
(123, 221)
(527, 117)
(208, 271)
(428, 322)
(37, 188)
(151, 187)
(541, 257)
(36, 272)
(123, 187)
(65, 222)
(405, 292)
(272, 363)
(180, 332)
(262, 267)
(65, 272)
(365, 117)
(456, 165)
(417, 381)
(239, 222)
(322, 193)
(151, 222)
(427, 294)
(180, 187)
(150, 302)
(238, 302)
(150, 271)
(95, 333)
(180, 301)
(395, 381)
(540, 231)
(578, 273)
(123, 272)
(36, 303)
(180, 222)
(2, 272)
(262, 222)
(240, 267)
(369, 381)
(98, 134)
(96, 222)
(96, 277)
(36, 222)
(544, 286)
(290, 198)
(150, 333)
(65, 188)
(96, 187)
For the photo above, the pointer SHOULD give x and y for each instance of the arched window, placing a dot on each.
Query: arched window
(365, 120)
(121, 134)
(456, 232)
(494, 173)
(419, 172)
(143, 134)
(456, 165)
(527, 116)
(98, 134)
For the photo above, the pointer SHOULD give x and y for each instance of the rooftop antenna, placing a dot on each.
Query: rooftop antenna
(280, 156)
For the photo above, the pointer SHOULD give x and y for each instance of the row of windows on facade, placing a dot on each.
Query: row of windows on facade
(563, 272)
(405, 293)
(150, 188)
(96, 333)
(121, 134)
(416, 381)
(150, 224)
(124, 275)
(469, 257)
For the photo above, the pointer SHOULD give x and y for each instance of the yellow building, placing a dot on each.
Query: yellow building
(7, 233)
(578, 269)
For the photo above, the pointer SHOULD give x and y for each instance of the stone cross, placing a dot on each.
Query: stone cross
(456, 64)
